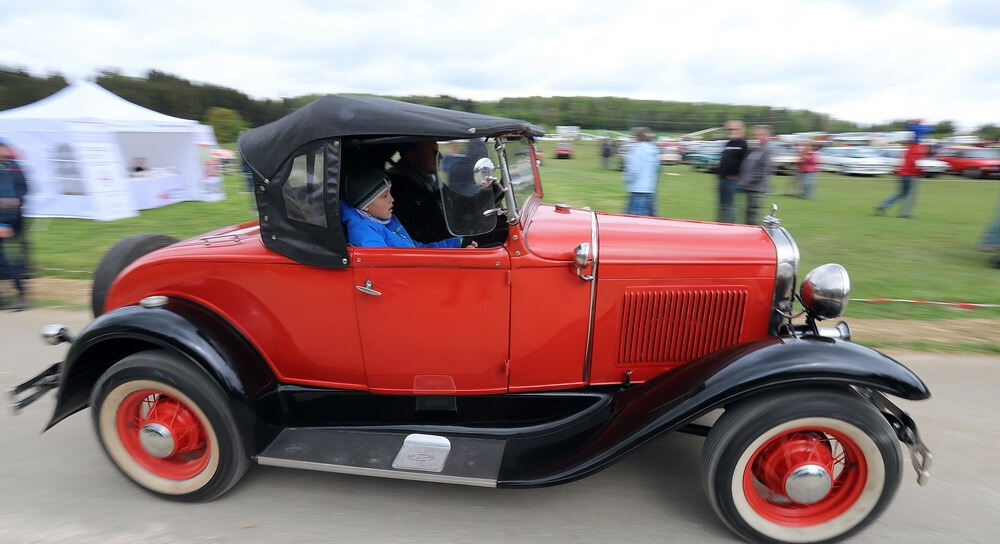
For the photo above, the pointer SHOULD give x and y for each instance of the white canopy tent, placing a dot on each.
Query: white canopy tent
(78, 148)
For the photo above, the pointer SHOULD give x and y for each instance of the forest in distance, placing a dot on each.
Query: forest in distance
(216, 104)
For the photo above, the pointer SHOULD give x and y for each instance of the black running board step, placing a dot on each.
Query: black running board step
(424, 457)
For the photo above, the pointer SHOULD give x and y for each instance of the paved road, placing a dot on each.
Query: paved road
(58, 486)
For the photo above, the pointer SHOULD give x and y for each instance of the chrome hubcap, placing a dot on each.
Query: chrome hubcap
(156, 440)
(808, 484)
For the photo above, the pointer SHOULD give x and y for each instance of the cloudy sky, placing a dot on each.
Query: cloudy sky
(866, 61)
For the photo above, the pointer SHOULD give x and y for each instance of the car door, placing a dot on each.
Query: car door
(433, 321)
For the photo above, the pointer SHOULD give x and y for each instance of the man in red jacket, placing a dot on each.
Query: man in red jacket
(908, 173)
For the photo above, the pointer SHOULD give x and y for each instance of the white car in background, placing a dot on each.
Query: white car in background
(861, 160)
(669, 156)
(893, 156)
(784, 157)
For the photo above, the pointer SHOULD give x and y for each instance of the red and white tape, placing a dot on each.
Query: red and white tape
(919, 301)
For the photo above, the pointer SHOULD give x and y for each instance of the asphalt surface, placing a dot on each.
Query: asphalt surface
(59, 487)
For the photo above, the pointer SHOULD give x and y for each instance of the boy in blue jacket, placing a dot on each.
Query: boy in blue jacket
(366, 210)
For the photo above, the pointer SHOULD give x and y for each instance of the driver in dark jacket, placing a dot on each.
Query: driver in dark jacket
(417, 192)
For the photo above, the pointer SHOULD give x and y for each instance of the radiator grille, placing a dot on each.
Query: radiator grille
(678, 325)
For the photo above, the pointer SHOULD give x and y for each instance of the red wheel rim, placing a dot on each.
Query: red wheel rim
(848, 478)
(190, 453)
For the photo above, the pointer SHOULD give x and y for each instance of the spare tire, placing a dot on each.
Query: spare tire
(122, 254)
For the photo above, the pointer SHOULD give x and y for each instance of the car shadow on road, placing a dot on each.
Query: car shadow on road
(654, 491)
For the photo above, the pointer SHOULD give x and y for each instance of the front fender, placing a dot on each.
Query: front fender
(675, 398)
(181, 327)
(773, 361)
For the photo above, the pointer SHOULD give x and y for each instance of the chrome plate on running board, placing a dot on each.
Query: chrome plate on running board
(424, 452)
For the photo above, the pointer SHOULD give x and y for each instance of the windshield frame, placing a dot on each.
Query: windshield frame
(514, 210)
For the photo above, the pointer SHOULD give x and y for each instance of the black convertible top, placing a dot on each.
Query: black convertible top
(265, 148)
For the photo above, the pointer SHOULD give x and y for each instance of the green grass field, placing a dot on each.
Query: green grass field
(932, 256)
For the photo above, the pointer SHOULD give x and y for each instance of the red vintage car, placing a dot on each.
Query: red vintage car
(564, 150)
(567, 339)
(973, 162)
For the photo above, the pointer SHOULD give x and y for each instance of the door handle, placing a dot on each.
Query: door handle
(367, 289)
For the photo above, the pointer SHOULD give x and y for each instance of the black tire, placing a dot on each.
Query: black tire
(972, 173)
(750, 436)
(208, 454)
(122, 254)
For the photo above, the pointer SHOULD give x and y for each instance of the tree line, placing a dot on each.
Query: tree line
(229, 110)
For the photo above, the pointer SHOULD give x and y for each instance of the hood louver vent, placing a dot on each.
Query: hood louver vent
(673, 326)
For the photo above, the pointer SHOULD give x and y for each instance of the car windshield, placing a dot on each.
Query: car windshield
(464, 201)
(522, 171)
(982, 154)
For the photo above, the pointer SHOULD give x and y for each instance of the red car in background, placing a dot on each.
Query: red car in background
(973, 162)
(564, 150)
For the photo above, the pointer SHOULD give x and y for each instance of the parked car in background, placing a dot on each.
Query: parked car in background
(973, 162)
(784, 157)
(564, 150)
(690, 148)
(861, 161)
(669, 155)
(706, 158)
(930, 167)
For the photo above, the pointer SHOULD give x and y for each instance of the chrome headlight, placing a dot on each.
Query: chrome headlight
(825, 290)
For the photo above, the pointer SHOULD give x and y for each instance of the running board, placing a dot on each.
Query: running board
(423, 457)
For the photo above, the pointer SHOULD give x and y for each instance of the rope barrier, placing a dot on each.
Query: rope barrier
(919, 301)
(64, 270)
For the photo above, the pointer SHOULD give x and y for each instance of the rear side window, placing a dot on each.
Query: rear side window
(303, 192)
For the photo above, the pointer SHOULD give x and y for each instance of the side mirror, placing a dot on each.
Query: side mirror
(483, 173)
(581, 257)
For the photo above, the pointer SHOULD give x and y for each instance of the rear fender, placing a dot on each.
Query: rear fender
(675, 398)
(180, 326)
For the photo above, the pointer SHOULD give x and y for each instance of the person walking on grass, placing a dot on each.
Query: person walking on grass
(991, 240)
(807, 169)
(908, 175)
(729, 170)
(642, 172)
(755, 173)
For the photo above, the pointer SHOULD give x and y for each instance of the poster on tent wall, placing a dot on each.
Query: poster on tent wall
(210, 185)
(72, 173)
(96, 173)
